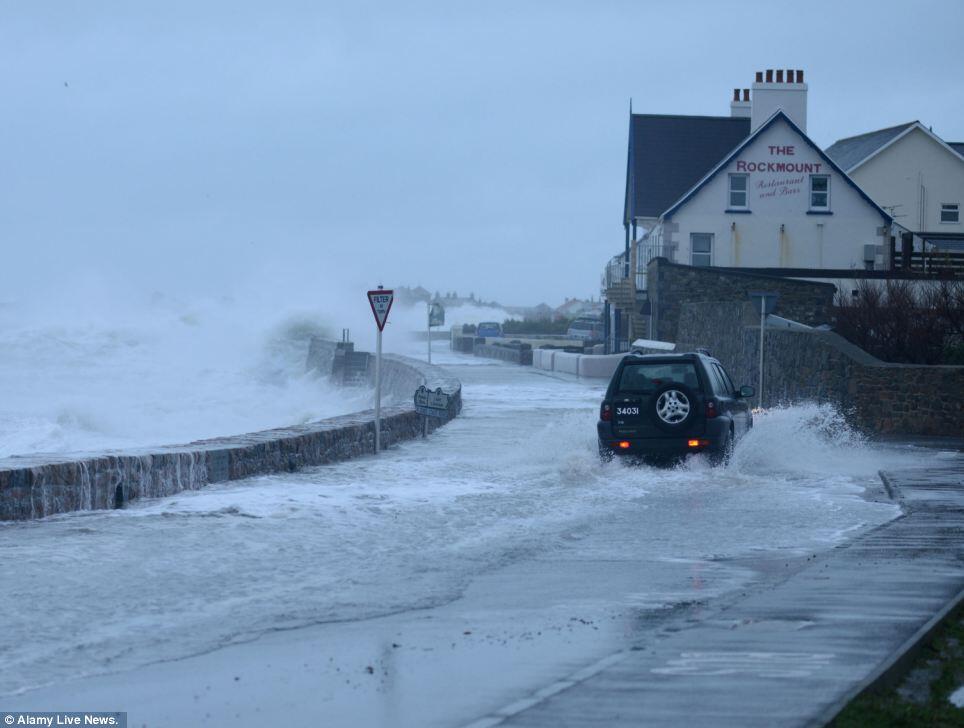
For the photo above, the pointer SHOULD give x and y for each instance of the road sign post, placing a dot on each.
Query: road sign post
(436, 317)
(766, 301)
(381, 302)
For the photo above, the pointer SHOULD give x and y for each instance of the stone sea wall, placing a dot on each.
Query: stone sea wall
(38, 486)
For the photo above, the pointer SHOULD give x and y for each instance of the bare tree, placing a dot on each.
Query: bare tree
(913, 322)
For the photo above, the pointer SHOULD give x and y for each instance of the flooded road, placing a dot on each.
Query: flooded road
(425, 586)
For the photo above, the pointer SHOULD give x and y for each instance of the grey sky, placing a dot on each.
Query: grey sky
(470, 146)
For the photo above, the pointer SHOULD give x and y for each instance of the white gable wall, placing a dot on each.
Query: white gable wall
(916, 174)
(778, 198)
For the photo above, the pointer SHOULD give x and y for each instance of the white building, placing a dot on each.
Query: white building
(775, 200)
(748, 190)
(913, 174)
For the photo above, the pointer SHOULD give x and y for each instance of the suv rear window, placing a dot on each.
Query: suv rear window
(646, 378)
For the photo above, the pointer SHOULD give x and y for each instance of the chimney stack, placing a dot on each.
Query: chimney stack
(787, 94)
(740, 108)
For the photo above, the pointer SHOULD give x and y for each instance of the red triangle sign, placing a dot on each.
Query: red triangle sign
(381, 303)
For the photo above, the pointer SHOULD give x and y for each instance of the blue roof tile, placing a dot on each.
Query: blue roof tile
(668, 154)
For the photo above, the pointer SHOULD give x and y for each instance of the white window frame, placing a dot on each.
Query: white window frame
(949, 206)
(745, 191)
(694, 253)
(820, 208)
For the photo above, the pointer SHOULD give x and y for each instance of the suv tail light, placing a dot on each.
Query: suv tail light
(606, 412)
(711, 409)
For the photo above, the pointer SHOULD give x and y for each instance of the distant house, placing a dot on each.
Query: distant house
(750, 190)
(575, 307)
(410, 296)
(917, 177)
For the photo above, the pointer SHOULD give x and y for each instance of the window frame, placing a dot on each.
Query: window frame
(726, 378)
(717, 383)
(707, 253)
(818, 208)
(948, 206)
(745, 191)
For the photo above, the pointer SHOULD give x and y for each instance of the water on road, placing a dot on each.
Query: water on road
(514, 480)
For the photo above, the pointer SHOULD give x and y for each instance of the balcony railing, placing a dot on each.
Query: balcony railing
(614, 273)
(645, 254)
(931, 261)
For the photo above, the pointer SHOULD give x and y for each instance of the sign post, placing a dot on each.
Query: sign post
(381, 303)
(436, 317)
(766, 301)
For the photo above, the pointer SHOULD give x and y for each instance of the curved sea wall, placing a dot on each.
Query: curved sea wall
(42, 485)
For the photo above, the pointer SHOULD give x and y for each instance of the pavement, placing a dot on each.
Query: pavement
(792, 654)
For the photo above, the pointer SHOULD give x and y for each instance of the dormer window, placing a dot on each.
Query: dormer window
(819, 191)
(738, 191)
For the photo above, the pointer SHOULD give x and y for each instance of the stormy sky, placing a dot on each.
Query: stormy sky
(481, 147)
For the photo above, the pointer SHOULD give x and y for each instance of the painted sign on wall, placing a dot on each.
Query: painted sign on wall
(793, 173)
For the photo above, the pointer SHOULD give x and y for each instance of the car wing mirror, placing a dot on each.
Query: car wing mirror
(747, 391)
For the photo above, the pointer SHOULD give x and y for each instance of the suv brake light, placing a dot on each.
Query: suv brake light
(606, 412)
(711, 409)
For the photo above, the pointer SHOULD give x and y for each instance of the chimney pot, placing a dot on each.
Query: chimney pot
(746, 94)
(736, 94)
(759, 76)
(787, 93)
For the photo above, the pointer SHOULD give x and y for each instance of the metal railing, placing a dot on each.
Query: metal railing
(645, 254)
(614, 273)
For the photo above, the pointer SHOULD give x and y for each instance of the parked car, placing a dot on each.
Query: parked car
(662, 407)
(489, 328)
(586, 328)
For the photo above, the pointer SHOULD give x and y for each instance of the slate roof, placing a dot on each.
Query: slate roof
(849, 152)
(668, 154)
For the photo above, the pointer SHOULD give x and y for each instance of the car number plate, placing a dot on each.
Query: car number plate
(627, 411)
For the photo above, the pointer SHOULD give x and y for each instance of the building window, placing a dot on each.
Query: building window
(738, 185)
(819, 191)
(701, 246)
(950, 212)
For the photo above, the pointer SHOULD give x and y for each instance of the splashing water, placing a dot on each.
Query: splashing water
(807, 439)
(165, 372)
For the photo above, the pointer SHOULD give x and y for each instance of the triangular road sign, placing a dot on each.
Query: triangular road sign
(381, 303)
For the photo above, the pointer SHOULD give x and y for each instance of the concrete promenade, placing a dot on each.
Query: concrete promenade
(791, 654)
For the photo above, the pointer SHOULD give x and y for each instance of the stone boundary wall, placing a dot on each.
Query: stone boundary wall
(822, 366)
(38, 486)
(672, 286)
